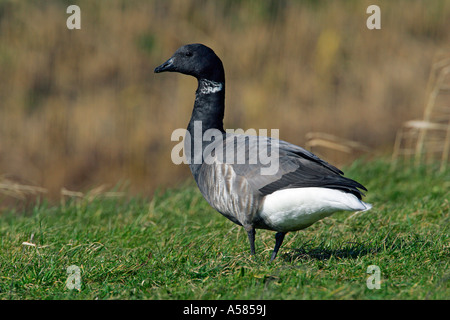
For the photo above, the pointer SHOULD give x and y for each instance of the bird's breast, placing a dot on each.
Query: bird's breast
(228, 193)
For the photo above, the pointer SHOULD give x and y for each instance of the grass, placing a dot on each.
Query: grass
(176, 247)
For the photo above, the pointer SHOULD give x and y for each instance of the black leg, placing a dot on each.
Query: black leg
(251, 238)
(279, 237)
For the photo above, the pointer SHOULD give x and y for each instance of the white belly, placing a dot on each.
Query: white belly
(295, 209)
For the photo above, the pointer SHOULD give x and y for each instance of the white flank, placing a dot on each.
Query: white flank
(295, 209)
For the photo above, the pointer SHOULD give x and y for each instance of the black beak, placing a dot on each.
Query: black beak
(166, 66)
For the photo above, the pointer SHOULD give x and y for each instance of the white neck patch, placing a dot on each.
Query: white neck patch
(209, 86)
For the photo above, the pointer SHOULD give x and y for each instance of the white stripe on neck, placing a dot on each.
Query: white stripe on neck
(210, 86)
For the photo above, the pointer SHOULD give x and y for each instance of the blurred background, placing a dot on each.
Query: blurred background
(81, 109)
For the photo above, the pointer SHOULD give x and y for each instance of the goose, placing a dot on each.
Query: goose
(302, 188)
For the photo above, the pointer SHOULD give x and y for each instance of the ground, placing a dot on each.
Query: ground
(174, 246)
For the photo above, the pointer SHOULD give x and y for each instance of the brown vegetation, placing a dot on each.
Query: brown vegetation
(82, 108)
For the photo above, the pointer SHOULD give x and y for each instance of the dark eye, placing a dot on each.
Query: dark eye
(188, 54)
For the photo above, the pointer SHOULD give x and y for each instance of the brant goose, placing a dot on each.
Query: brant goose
(301, 190)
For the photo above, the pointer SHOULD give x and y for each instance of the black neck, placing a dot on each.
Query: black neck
(208, 113)
(209, 106)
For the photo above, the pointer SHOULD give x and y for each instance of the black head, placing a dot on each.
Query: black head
(196, 60)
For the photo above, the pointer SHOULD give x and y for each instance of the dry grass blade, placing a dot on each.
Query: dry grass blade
(320, 139)
(95, 193)
(17, 190)
(430, 135)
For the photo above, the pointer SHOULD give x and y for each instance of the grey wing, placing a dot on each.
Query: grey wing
(296, 167)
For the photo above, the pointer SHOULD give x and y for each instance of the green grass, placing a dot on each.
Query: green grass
(176, 247)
